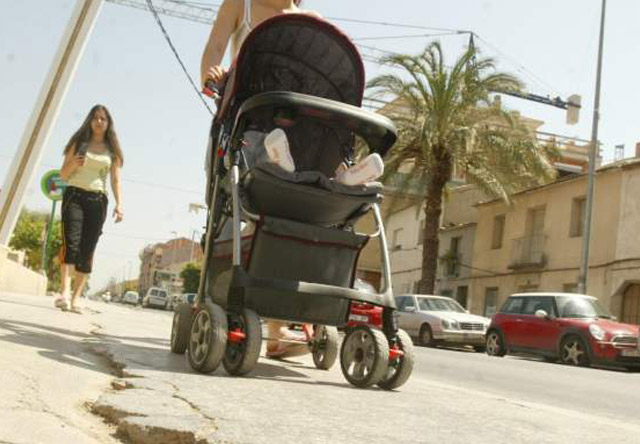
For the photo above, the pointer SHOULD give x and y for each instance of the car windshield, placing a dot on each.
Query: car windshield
(437, 304)
(576, 307)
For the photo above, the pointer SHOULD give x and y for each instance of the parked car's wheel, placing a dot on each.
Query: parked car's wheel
(480, 348)
(495, 345)
(574, 351)
(399, 369)
(241, 355)
(207, 338)
(180, 328)
(425, 337)
(364, 356)
(324, 347)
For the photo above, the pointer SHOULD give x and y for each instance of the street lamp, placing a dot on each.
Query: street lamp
(586, 232)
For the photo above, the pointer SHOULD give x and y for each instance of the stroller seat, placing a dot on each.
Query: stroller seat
(307, 196)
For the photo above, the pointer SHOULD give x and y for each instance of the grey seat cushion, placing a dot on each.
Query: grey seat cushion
(306, 196)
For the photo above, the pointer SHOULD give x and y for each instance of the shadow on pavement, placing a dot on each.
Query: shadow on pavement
(58, 344)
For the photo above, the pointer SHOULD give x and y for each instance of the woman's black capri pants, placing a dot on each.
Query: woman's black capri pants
(83, 215)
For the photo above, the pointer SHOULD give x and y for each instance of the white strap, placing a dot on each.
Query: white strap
(247, 13)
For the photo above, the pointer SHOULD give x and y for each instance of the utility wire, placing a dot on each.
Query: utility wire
(410, 36)
(175, 52)
(398, 25)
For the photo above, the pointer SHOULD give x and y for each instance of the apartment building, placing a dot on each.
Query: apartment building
(535, 244)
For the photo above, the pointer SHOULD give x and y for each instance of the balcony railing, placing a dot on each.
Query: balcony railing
(528, 252)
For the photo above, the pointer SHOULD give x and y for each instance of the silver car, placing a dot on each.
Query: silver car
(439, 320)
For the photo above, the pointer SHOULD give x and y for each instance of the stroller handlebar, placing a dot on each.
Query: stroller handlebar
(211, 89)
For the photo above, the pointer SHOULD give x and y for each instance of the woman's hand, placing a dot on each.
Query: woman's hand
(118, 214)
(78, 161)
(216, 73)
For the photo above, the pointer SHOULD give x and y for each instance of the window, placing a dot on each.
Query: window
(462, 295)
(498, 231)
(490, 301)
(396, 243)
(453, 266)
(577, 216)
(405, 302)
(535, 221)
(446, 293)
(421, 233)
(513, 306)
(533, 304)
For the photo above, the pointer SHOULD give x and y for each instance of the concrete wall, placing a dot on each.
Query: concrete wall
(17, 278)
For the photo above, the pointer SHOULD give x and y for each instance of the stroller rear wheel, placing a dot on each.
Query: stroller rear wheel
(324, 346)
(364, 356)
(243, 343)
(208, 338)
(180, 328)
(401, 366)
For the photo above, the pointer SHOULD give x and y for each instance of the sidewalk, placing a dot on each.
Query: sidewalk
(47, 374)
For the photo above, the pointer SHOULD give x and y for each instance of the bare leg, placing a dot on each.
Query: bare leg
(81, 280)
(65, 286)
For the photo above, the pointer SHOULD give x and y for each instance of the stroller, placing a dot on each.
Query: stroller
(302, 75)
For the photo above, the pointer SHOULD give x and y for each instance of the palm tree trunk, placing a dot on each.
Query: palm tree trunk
(432, 212)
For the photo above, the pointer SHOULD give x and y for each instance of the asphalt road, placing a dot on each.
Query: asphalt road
(611, 393)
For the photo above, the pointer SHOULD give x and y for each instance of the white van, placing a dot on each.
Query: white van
(156, 297)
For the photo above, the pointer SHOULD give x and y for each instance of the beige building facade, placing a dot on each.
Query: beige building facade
(535, 244)
(162, 263)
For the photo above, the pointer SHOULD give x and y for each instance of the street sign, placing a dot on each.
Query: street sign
(52, 185)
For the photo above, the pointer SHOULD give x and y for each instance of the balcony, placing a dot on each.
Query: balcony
(528, 252)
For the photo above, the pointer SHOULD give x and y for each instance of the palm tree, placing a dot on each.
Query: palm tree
(446, 120)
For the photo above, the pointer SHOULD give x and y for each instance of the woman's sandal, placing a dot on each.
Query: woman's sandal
(289, 345)
(61, 303)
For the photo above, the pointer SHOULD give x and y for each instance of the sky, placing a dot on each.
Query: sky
(162, 125)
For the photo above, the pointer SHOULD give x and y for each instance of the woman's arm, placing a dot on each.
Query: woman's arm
(225, 24)
(71, 163)
(116, 187)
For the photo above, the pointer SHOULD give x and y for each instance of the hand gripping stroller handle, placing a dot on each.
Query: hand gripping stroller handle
(211, 89)
(377, 130)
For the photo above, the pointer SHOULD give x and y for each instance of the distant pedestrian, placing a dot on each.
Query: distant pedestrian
(92, 154)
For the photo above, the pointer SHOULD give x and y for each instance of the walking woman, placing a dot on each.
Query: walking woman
(92, 154)
(235, 20)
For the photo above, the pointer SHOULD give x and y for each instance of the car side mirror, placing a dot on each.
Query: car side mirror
(542, 314)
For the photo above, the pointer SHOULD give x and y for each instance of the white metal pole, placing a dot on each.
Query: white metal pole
(44, 114)
(586, 232)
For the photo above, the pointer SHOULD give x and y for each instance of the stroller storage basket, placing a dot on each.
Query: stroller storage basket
(298, 272)
(290, 250)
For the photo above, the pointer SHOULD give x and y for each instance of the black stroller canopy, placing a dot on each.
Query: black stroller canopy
(299, 53)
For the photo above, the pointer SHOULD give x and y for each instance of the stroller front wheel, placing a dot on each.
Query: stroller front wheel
(208, 338)
(401, 365)
(243, 343)
(364, 356)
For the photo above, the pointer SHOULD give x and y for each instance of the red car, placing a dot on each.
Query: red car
(572, 328)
